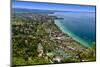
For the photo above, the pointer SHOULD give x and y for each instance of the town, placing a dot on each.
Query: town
(36, 39)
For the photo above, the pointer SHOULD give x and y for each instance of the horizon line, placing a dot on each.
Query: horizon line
(51, 10)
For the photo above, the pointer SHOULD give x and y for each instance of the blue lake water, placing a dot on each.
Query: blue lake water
(79, 25)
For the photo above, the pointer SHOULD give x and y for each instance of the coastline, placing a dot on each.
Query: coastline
(76, 38)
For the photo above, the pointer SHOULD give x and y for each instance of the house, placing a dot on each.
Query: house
(40, 50)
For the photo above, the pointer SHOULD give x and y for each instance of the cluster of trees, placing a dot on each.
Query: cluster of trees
(89, 54)
(26, 35)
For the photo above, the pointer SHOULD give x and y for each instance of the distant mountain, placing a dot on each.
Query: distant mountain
(39, 10)
(35, 10)
(31, 10)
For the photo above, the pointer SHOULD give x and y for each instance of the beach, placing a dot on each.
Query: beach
(66, 31)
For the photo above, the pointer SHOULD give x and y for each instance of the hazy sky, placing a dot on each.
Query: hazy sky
(48, 6)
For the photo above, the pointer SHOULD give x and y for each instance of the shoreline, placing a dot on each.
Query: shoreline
(76, 38)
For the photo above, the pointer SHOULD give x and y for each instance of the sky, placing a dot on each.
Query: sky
(52, 6)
